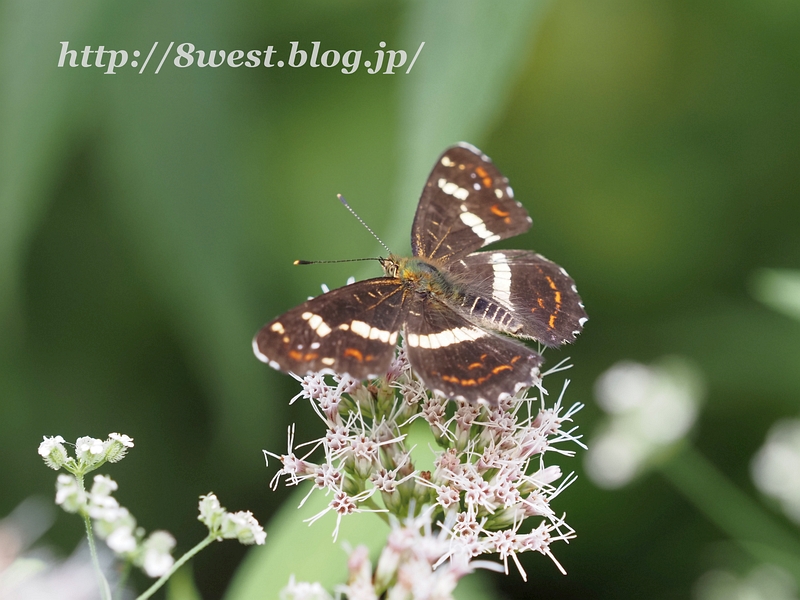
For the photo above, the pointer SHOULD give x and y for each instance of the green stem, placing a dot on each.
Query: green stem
(105, 590)
(379, 510)
(178, 564)
(733, 511)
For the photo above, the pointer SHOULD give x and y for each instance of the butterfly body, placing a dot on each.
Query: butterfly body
(423, 277)
(456, 307)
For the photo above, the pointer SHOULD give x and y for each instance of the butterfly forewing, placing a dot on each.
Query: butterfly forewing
(459, 359)
(538, 299)
(349, 330)
(466, 204)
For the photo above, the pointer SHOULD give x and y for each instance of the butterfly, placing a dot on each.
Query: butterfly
(458, 309)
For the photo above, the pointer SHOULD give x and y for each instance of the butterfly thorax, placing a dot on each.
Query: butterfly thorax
(422, 276)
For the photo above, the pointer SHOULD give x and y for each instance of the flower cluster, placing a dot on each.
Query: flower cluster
(488, 490)
(776, 466)
(650, 408)
(90, 453)
(113, 523)
(223, 525)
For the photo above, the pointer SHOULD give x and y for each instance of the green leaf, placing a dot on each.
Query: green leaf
(306, 551)
(181, 585)
(309, 553)
(37, 108)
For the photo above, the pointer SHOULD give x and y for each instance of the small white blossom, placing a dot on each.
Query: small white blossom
(122, 540)
(53, 452)
(117, 446)
(650, 407)
(776, 466)
(779, 289)
(241, 525)
(156, 559)
(69, 494)
(211, 512)
(103, 485)
(89, 450)
(301, 590)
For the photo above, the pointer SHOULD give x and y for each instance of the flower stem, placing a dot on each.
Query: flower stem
(381, 512)
(178, 564)
(733, 511)
(105, 590)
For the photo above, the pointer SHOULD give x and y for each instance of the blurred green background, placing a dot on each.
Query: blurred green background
(148, 224)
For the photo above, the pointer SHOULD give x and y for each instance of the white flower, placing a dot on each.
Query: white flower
(211, 512)
(90, 451)
(301, 590)
(103, 485)
(156, 559)
(69, 495)
(241, 525)
(105, 508)
(53, 452)
(650, 408)
(117, 446)
(121, 540)
(776, 467)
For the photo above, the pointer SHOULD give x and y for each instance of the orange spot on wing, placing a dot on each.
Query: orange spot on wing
(295, 355)
(498, 211)
(354, 353)
(487, 181)
(481, 380)
(552, 321)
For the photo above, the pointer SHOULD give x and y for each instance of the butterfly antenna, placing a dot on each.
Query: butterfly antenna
(360, 220)
(316, 262)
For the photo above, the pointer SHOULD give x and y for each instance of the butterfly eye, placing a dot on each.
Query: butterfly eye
(390, 267)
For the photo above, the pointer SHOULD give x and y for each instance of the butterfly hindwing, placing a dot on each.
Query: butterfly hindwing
(540, 299)
(350, 330)
(460, 359)
(466, 204)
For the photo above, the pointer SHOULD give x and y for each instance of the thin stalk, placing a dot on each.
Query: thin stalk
(178, 564)
(742, 519)
(105, 590)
